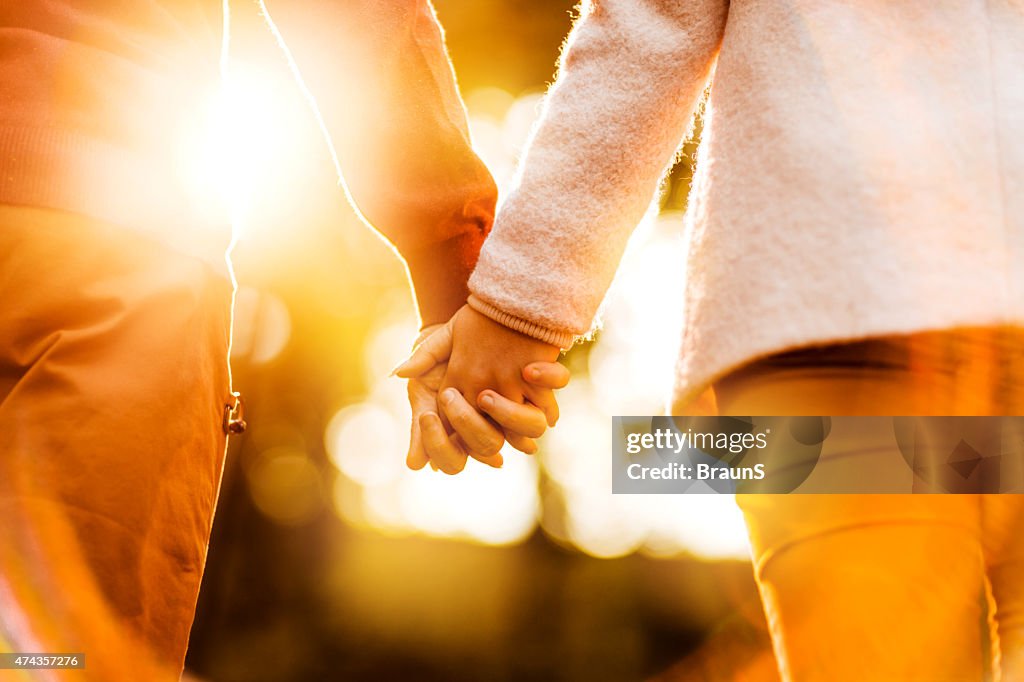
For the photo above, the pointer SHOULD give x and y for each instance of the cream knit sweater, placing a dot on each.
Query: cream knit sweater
(861, 173)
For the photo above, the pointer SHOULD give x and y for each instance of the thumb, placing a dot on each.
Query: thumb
(433, 351)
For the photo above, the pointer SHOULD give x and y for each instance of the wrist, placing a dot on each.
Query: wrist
(439, 273)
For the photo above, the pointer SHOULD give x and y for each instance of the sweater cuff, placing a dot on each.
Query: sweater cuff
(563, 340)
(439, 274)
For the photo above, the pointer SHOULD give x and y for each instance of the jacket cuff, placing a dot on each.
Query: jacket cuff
(563, 340)
(439, 274)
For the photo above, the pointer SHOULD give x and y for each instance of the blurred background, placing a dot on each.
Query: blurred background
(329, 560)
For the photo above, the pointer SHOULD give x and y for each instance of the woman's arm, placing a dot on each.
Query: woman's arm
(387, 97)
(631, 75)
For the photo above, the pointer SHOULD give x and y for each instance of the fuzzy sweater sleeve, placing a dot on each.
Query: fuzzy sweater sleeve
(388, 99)
(631, 75)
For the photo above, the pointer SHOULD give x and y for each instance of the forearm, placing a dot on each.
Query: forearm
(387, 98)
(631, 76)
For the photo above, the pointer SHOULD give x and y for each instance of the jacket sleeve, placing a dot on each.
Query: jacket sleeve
(631, 75)
(387, 98)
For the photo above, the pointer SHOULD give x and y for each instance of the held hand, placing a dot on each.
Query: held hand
(431, 442)
(488, 355)
(422, 391)
(520, 423)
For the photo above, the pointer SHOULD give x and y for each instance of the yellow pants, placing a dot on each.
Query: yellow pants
(113, 380)
(890, 587)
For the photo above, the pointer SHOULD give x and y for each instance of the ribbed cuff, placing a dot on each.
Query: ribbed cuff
(563, 340)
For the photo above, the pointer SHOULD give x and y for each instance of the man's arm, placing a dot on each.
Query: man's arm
(387, 98)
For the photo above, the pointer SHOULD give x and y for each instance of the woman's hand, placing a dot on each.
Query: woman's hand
(468, 432)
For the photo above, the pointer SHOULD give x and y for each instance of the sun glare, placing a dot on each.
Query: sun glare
(630, 372)
(246, 131)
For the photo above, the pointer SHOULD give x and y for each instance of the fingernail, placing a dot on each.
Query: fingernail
(534, 373)
(397, 368)
(487, 401)
(448, 395)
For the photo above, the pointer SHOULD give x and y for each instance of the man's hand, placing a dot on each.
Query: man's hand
(471, 433)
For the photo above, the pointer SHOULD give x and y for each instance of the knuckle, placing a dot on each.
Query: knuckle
(492, 446)
(456, 415)
(435, 449)
(486, 445)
